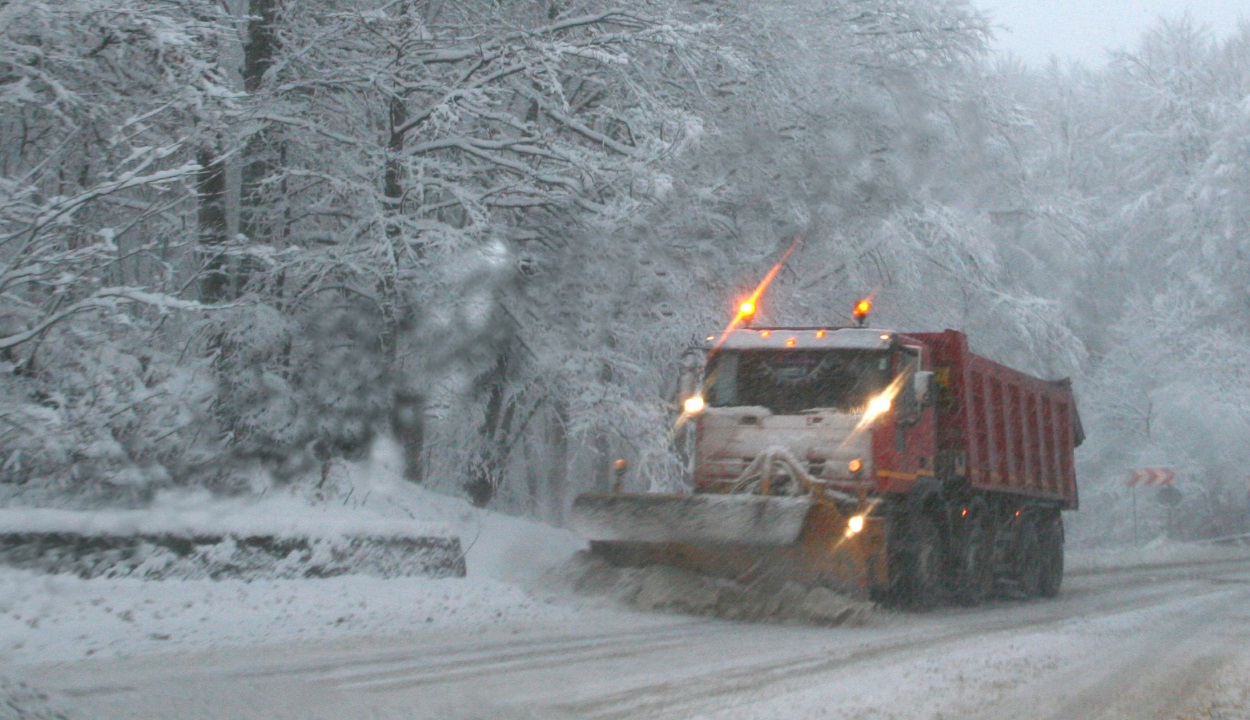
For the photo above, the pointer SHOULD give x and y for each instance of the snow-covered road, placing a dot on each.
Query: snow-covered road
(1146, 643)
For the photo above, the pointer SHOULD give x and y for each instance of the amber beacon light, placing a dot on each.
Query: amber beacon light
(860, 313)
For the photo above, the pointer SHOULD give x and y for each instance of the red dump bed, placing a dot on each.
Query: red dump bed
(1004, 430)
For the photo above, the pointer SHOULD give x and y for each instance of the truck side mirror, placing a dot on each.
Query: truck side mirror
(921, 382)
(691, 373)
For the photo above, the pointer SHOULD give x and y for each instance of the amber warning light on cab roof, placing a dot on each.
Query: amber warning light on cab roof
(746, 311)
(860, 313)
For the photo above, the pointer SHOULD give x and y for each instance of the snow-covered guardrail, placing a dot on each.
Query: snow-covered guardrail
(134, 544)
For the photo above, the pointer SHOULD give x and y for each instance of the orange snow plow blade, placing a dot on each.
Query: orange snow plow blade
(746, 538)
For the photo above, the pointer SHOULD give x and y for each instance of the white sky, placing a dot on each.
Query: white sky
(1085, 29)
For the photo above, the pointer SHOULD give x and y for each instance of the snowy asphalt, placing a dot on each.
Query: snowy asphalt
(1164, 642)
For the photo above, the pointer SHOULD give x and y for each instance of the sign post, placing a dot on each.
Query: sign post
(1151, 477)
(1136, 542)
(1245, 522)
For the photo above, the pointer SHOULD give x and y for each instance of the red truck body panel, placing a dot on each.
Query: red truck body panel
(1001, 429)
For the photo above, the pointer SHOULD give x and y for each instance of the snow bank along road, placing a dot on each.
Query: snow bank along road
(1168, 642)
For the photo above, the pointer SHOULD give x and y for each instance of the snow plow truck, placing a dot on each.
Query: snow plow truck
(898, 467)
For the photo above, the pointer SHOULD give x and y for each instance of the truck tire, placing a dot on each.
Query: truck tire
(1052, 556)
(973, 580)
(920, 567)
(1029, 560)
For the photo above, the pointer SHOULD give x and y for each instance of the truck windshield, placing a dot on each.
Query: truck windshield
(791, 381)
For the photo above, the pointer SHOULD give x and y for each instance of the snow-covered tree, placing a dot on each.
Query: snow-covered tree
(1148, 155)
(431, 156)
(104, 104)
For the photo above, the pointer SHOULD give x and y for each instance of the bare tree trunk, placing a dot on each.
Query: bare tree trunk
(602, 462)
(558, 473)
(259, 52)
(408, 428)
(409, 404)
(262, 41)
(532, 488)
(602, 443)
(393, 191)
(211, 188)
(494, 434)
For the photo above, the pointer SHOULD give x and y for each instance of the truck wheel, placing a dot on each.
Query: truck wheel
(1052, 557)
(1029, 561)
(921, 565)
(974, 574)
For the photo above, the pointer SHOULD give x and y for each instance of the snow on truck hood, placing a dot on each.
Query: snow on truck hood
(781, 338)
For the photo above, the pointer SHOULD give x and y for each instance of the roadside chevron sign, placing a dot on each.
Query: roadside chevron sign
(1151, 477)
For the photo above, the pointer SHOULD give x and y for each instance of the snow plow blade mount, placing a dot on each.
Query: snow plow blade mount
(746, 538)
(694, 519)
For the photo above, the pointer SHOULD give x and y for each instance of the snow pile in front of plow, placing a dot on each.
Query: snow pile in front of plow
(1225, 697)
(668, 589)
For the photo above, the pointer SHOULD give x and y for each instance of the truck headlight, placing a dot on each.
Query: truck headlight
(879, 405)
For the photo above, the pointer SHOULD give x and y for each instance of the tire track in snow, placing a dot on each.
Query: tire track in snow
(492, 660)
(445, 660)
(684, 697)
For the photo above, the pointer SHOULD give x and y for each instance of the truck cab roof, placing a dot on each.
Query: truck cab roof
(806, 338)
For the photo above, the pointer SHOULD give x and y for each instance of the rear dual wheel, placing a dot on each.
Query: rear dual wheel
(973, 577)
(1029, 560)
(1040, 557)
(1051, 536)
(921, 577)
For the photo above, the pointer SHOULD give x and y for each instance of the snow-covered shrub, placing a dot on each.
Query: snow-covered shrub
(298, 388)
(104, 411)
(100, 105)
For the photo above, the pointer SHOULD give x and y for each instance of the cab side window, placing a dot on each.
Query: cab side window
(907, 365)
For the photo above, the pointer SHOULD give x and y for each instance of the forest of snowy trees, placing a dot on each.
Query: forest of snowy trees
(241, 240)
